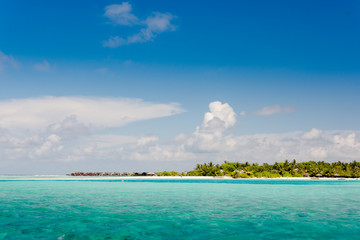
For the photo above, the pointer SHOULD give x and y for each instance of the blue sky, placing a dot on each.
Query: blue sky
(283, 68)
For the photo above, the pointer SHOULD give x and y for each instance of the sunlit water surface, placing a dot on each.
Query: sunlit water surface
(179, 209)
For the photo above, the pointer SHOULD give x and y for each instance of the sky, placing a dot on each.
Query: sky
(164, 85)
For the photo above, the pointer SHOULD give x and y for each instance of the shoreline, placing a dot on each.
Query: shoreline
(80, 178)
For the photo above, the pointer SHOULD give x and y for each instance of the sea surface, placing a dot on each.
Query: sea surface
(179, 209)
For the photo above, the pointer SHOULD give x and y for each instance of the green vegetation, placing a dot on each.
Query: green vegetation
(167, 173)
(279, 169)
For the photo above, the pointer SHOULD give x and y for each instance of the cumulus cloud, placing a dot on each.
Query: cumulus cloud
(153, 25)
(42, 67)
(36, 113)
(348, 141)
(208, 137)
(111, 140)
(47, 146)
(7, 61)
(33, 146)
(143, 141)
(69, 127)
(258, 148)
(276, 109)
(210, 142)
(70, 140)
(220, 116)
(312, 134)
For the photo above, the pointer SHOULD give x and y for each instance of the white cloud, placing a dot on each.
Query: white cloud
(348, 141)
(276, 109)
(318, 153)
(37, 113)
(71, 141)
(312, 134)
(111, 140)
(42, 67)
(50, 144)
(69, 127)
(3, 131)
(121, 14)
(258, 148)
(153, 25)
(63, 128)
(7, 61)
(207, 139)
(143, 141)
(209, 136)
(221, 116)
(159, 22)
(210, 142)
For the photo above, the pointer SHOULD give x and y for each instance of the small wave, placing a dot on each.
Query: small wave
(61, 237)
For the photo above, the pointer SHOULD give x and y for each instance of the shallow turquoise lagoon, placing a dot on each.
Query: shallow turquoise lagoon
(179, 209)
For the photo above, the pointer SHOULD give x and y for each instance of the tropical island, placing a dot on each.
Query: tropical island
(255, 170)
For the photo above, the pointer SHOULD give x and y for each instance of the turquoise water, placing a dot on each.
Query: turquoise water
(179, 209)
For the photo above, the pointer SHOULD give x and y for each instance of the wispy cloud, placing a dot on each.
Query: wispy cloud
(276, 109)
(37, 113)
(121, 14)
(7, 61)
(42, 67)
(153, 25)
(102, 70)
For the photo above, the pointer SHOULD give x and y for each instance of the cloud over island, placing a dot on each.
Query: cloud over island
(65, 130)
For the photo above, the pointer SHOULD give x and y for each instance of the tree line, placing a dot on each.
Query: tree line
(278, 169)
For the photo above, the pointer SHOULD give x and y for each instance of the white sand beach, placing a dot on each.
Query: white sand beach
(79, 178)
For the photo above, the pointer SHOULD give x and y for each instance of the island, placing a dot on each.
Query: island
(290, 169)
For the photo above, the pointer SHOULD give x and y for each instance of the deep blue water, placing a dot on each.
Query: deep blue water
(179, 209)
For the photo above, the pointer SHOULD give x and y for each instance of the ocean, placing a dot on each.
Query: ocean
(179, 209)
